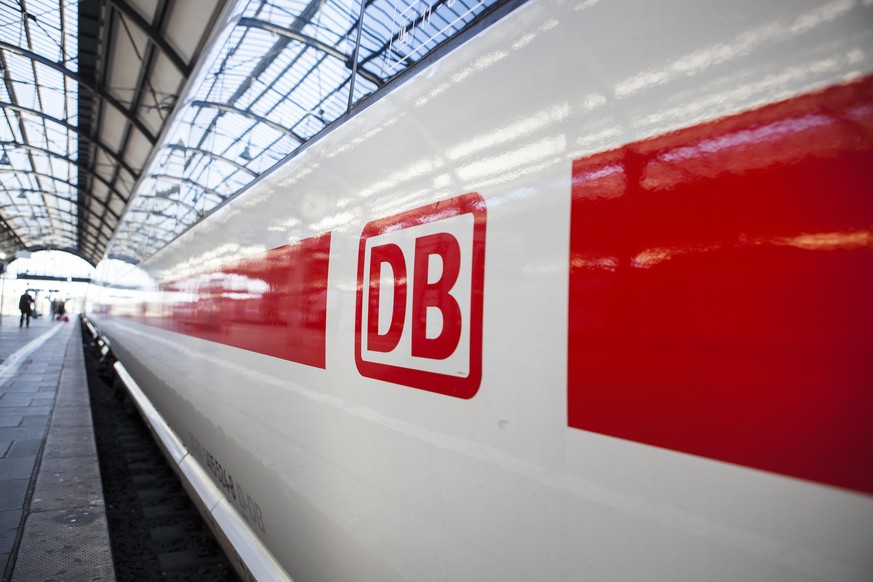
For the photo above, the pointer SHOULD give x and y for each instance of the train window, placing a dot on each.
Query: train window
(269, 84)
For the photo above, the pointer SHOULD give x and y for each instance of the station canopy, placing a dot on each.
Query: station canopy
(126, 122)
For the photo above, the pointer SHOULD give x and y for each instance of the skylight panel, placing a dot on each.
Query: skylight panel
(268, 92)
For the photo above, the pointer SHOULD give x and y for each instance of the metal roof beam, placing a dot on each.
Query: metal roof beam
(213, 155)
(96, 90)
(143, 84)
(62, 181)
(404, 30)
(172, 201)
(90, 19)
(158, 229)
(8, 230)
(313, 42)
(250, 115)
(57, 195)
(30, 230)
(189, 182)
(266, 60)
(58, 156)
(103, 147)
(155, 35)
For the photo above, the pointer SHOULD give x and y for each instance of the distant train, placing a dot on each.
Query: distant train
(588, 297)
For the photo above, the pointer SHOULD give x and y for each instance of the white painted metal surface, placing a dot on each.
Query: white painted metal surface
(351, 478)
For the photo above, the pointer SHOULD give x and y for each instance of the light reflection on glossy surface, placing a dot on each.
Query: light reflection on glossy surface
(501, 485)
(513, 132)
(742, 45)
(744, 259)
(279, 389)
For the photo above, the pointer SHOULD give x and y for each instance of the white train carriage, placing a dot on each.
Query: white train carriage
(585, 298)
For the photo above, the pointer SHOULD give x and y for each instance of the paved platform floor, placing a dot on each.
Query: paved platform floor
(52, 520)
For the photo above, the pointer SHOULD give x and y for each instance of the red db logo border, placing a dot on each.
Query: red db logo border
(459, 387)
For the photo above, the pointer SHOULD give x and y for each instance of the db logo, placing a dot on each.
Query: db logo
(419, 305)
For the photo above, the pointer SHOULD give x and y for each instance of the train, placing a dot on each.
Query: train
(586, 296)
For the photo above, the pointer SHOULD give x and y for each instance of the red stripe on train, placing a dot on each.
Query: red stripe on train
(721, 289)
(274, 303)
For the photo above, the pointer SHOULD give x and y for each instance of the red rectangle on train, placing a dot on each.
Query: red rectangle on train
(274, 303)
(419, 297)
(721, 279)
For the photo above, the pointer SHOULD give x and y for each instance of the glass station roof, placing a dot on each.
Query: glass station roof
(115, 144)
(38, 187)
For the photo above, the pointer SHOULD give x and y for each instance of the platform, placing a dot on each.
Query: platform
(52, 518)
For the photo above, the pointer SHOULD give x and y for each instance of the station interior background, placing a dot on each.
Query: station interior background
(49, 275)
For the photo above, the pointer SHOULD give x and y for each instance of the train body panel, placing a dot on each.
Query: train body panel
(409, 449)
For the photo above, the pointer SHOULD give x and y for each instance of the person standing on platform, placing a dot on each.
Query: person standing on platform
(25, 305)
